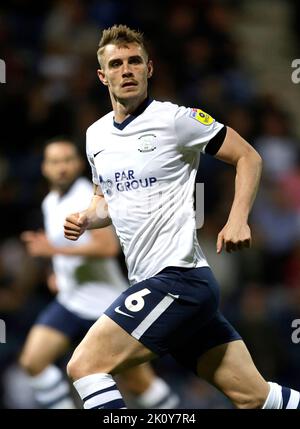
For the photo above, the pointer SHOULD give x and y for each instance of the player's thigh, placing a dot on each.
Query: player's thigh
(230, 368)
(42, 347)
(109, 348)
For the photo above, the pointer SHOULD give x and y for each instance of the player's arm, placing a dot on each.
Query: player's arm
(102, 244)
(235, 150)
(96, 216)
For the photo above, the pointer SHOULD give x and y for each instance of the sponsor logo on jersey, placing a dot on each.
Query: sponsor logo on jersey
(125, 181)
(147, 143)
(202, 117)
(135, 184)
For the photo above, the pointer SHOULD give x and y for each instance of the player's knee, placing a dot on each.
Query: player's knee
(30, 365)
(82, 364)
(75, 368)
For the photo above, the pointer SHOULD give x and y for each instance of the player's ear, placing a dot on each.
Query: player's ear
(150, 68)
(101, 76)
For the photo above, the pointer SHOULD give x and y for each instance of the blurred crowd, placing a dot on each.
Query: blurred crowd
(52, 89)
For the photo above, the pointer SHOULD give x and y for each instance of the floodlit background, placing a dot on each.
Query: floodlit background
(232, 59)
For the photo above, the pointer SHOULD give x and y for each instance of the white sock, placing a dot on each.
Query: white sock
(282, 397)
(158, 396)
(99, 391)
(274, 399)
(51, 390)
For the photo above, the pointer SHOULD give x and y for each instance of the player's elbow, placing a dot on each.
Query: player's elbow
(251, 158)
(257, 160)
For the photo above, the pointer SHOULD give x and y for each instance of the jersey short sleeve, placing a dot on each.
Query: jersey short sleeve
(91, 161)
(93, 168)
(195, 128)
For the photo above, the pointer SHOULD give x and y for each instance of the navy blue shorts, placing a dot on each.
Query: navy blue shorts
(56, 316)
(175, 312)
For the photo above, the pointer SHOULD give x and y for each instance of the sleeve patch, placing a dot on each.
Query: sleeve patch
(200, 116)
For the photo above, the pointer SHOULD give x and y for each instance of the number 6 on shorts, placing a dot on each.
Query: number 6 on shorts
(135, 302)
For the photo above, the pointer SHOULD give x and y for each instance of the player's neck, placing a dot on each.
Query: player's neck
(123, 109)
(62, 190)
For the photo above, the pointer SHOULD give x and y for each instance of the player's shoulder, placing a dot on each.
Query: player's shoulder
(101, 123)
(98, 129)
(165, 106)
(180, 111)
(49, 200)
(82, 185)
(163, 112)
(169, 110)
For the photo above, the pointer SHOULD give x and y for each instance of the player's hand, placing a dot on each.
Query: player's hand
(37, 244)
(75, 225)
(234, 236)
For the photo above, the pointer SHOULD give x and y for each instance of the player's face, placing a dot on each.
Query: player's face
(61, 165)
(125, 70)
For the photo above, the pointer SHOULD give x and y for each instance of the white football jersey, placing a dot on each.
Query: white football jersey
(146, 168)
(86, 286)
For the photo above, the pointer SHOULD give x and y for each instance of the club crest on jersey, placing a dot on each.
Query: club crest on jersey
(147, 143)
(201, 116)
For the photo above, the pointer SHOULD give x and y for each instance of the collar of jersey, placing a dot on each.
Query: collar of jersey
(143, 106)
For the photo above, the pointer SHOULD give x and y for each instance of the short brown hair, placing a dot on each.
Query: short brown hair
(120, 35)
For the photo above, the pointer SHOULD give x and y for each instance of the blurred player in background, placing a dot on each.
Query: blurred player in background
(144, 156)
(87, 279)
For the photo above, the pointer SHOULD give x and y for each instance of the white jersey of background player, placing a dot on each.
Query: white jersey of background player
(85, 287)
(157, 149)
